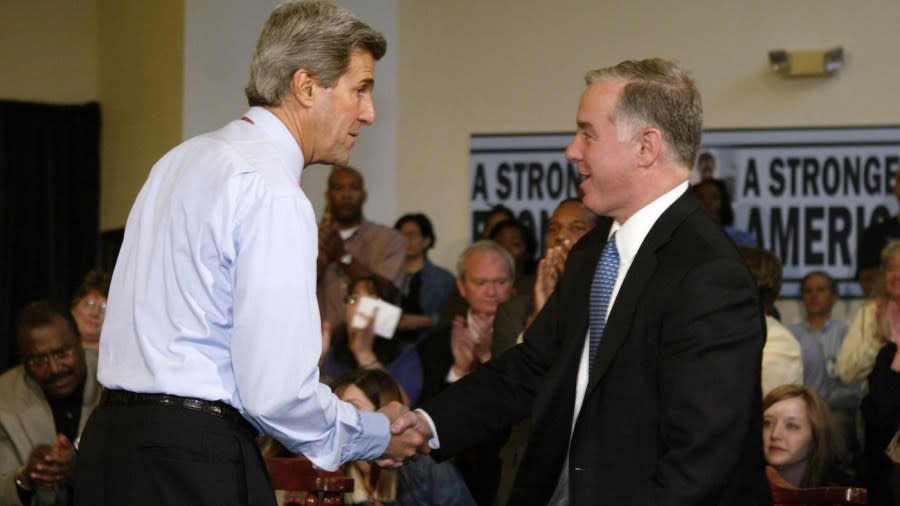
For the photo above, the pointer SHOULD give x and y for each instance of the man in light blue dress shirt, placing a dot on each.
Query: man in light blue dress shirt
(212, 333)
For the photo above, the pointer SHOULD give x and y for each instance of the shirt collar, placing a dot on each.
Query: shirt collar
(279, 135)
(632, 233)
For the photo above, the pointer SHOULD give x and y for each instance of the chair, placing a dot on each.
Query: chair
(305, 485)
(783, 493)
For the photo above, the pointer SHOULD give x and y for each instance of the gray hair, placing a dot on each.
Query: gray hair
(315, 35)
(484, 246)
(660, 94)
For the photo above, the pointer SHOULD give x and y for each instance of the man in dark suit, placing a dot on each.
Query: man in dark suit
(666, 410)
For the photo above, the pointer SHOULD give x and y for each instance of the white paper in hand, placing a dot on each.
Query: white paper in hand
(386, 319)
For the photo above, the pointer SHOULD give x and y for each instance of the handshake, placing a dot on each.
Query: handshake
(410, 432)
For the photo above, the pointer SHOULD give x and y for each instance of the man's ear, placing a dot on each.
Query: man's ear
(365, 196)
(649, 146)
(303, 86)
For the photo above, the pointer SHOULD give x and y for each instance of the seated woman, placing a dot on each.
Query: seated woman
(426, 286)
(799, 439)
(420, 480)
(521, 244)
(353, 348)
(89, 307)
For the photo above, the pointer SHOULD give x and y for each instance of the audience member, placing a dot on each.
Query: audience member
(706, 166)
(485, 271)
(89, 307)
(714, 195)
(426, 286)
(351, 247)
(881, 414)
(799, 439)
(873, 240)
(875, 323)
(782, 360)
(569, 221)
(358, 347)
(420, 481)
(495, 215)
(519, 241)
(820, 336)
(44, 404)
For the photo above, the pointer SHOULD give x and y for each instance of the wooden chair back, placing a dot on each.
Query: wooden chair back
(783, 493)
(305, 485)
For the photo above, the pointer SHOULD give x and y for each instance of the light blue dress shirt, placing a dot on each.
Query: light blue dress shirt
(214, 292)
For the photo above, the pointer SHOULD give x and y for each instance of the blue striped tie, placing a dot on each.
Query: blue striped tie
(601, 291)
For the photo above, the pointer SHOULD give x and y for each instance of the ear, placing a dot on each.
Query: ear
(427, 242)
(365, 196)
(303, 86)
(461, 287)
(649, 146)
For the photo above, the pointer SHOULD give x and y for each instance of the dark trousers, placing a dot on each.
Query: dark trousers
(168, 455)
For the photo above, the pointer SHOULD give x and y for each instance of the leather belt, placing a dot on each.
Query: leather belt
(214, 408)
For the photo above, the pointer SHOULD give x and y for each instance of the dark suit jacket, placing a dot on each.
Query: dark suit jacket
(671, 414)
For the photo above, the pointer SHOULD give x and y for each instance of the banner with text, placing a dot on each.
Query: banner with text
(805, 194)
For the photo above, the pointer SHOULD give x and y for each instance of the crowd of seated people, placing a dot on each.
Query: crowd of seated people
(831, 412)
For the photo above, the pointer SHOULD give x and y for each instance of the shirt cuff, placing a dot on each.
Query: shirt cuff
(376, 434)
(434, 442)
(452, 376)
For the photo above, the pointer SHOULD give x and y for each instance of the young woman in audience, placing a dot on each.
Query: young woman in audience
(713, 194)
(420, 481)
(799, 439)
(521, 244)
(89, 306)
(358, 347)
(495, 215)
(425, 286)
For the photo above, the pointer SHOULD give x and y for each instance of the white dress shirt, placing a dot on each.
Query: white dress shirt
(214, 292)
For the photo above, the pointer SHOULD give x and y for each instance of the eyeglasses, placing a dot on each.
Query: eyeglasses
(350, 299)
(94, 305)
(58, 355)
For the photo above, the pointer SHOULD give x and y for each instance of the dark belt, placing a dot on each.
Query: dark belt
(214, 408)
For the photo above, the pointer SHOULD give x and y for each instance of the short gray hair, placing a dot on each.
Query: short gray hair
(484, 246)
(315, 35)
(660, 94)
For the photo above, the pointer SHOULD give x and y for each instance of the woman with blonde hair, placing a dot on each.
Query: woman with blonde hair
(799, 439)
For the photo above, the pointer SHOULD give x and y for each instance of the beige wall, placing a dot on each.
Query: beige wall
(472, 66)
(48, 50)
(141, 52)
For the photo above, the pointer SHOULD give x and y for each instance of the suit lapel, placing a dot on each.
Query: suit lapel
(642, 268)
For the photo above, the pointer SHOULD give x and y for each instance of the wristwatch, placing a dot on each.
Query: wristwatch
(346, 258)
(20, 480)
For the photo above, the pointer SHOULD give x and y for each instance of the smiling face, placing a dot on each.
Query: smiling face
(607, 163)
(339, 112)
(787, 433)
(53, 357)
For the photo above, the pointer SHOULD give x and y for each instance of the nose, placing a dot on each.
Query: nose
(367, 110)
(573, 150)
(54, 365)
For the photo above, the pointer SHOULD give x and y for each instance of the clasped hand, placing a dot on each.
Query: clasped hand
(410, 433)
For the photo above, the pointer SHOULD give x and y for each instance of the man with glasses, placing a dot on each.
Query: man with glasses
(44, 404)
